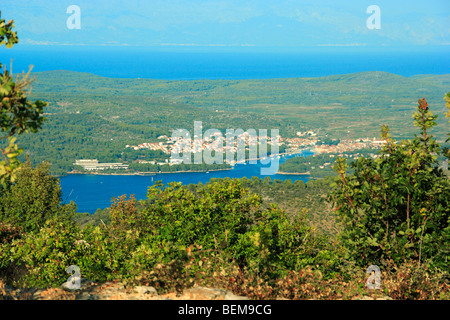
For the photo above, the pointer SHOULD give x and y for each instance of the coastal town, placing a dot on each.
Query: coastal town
(178, 144)
(183, 143)
(307, 140)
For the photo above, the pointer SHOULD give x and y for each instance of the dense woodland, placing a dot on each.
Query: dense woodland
(320, 165)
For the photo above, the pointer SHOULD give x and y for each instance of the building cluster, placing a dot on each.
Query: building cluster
(182, 144)
(306, 133)
(349, 145)
(161, 146)
(215, 142)
(93, 164)
(153, 162)
(300, 143)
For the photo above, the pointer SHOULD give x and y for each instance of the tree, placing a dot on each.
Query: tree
(17, 113)
(447, 105)
(33, 199)
(397, 207)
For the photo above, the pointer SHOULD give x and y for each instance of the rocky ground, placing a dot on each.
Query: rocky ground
(114, 291)
(118, 291)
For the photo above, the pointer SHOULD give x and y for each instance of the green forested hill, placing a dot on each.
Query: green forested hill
(93, 116)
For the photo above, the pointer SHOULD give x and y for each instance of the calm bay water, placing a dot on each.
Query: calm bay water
(90, 192)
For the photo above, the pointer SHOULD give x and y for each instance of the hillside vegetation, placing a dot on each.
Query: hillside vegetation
(89, 116)
(392, 212)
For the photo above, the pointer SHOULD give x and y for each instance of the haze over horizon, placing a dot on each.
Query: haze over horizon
(232, 23)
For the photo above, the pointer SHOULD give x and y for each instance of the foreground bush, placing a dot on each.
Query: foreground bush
(395, 210)
(46, 254)
(271, 257)
(397, 207)
(35, 229)
(227, 223)
(34, 198)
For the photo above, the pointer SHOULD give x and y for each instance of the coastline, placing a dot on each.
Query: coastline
(150, 173)
(307, 173)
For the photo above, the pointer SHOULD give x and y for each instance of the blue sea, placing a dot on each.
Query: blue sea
(194, 64)
(95, 191)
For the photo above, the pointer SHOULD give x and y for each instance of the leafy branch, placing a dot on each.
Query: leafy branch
(17, 114)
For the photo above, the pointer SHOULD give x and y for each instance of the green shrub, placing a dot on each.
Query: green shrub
(397, 206)
(47, 253)
(33, 198)
(225, 219)
(8, 233)
(18, 115)
(36, 233)
(212, 219)
(100, 261)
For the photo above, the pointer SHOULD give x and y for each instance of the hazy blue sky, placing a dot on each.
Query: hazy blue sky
(238, 23)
